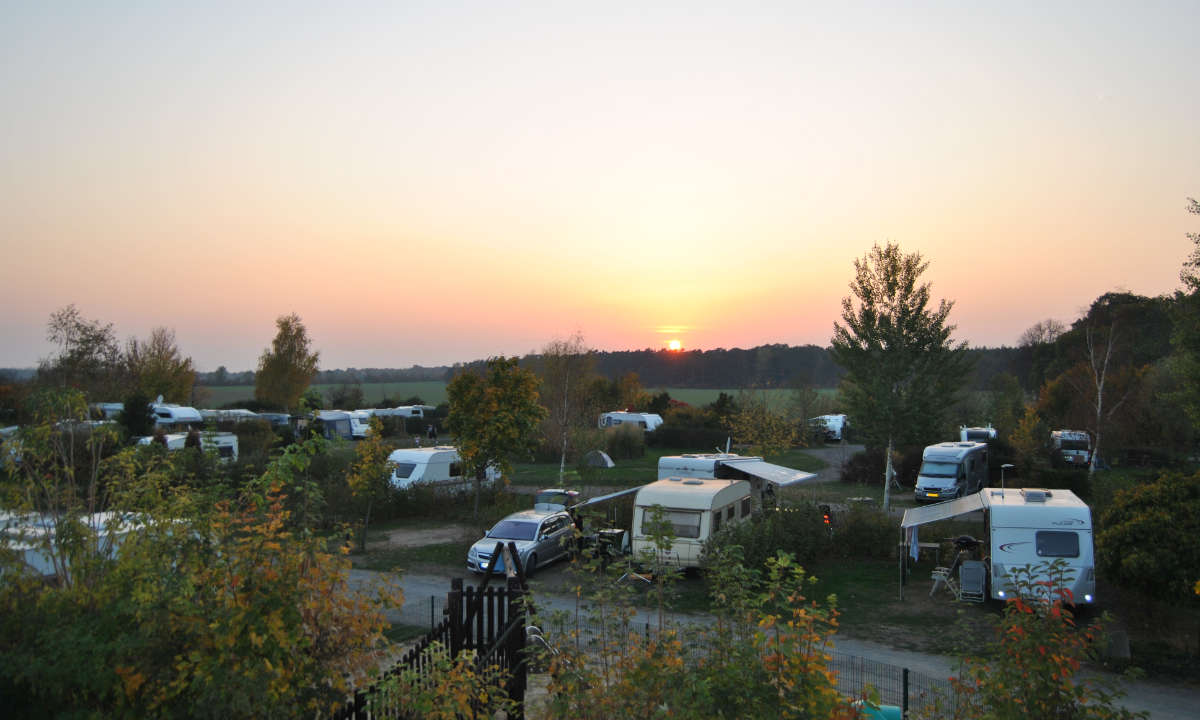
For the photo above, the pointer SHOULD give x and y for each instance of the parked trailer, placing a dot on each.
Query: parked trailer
(225, 443)
(976, 434)
(951, 470)
(439, 466)
(1073, 446)
(696, 509)
(646, 421)
(832, 427)
(764, 477)
(1023, 527)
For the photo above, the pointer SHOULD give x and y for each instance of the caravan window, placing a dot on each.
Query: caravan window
(746, 507)
(716, 523)
(684, 523)
(729, 513)
(455, 469)
(404, 470)
(1052, 543)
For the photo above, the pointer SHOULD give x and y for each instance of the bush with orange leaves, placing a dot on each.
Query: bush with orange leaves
(1036, 658)
(764, 656)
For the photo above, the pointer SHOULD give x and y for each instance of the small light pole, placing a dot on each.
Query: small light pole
(1003, 467)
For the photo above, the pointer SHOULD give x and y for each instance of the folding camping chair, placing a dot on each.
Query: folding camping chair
(972, 576)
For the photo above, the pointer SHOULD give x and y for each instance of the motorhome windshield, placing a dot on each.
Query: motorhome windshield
(1074, 444)
(1052, 543)
(939, 469)
(404, 470)
(513, 530)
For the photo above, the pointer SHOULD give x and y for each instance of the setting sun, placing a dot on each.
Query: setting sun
(674, 345)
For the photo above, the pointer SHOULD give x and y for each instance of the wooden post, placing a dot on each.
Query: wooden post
(515, 602)
(454, 607)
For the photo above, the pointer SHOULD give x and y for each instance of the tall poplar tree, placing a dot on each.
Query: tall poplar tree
(287, 367)
(903, 371)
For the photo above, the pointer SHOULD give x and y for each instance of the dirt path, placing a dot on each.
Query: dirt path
(834, 456)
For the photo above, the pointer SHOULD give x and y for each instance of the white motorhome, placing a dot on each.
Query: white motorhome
(360, 423)
(976, 434)
(696, 509)
(336, 424)
(1026, 527)
(403, 411)
(951, 470)
(646, 421)
(225, 443)
(833, 426)
(439, 466)
(764, 477)
(235, 415)
(1073, 446)
(107, 410)
(172, 416)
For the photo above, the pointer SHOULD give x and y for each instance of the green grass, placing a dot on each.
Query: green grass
(639, 471)
(433, 392)
(777, 398)
(400, 633)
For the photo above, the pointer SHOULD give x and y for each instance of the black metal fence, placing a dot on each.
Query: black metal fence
(490, 621)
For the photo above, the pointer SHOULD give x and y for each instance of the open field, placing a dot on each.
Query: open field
(433, 392)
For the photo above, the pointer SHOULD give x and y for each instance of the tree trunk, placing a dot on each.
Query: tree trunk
(887, 477)
(478, 489)
(362, 537)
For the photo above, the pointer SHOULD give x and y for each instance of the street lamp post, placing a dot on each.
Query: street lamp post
(1003, 467)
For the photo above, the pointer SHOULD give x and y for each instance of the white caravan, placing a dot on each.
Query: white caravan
(646, 421)
(172, 416)
(764, 477)
(1026, 527)
(225, 443)
(833, 426)
(107, 410)
(1073, 446)
(403, 411)
(976, 434)
(235, 415)
(439, 466)
(360, 423)
(951, 470)
(696, 509)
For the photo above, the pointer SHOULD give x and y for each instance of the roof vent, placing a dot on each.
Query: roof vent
(693, 482)
(675, 479)
(1032, 495)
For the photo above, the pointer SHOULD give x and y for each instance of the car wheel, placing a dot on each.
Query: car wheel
(531, 565)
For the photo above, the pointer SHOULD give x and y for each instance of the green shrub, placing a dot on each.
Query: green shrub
(864, 533)
(700, 439)
(625, 442)
(797, 530)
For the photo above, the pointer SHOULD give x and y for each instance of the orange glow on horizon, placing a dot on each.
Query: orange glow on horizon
(675, 345)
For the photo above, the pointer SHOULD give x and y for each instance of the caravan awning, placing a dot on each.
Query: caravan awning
(776, 474)
(942, 510)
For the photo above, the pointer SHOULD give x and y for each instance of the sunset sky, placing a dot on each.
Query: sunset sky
(426, 183)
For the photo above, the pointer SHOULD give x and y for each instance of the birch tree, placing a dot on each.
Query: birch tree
(903, 371)
(566, 365)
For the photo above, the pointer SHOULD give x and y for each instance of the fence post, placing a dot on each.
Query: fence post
(454, 605)
(516, 612)
(432, 621)
(904, 704)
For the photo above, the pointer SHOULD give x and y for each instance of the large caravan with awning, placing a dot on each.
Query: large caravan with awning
(1025, 527)
(695, 508)
(764, 477)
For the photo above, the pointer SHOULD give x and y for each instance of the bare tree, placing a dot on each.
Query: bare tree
(1100, 355)
(1042, 333)
(565, 366)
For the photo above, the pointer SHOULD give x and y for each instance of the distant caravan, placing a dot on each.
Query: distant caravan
(646, 421)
